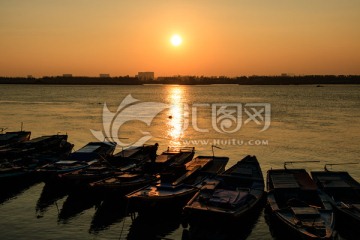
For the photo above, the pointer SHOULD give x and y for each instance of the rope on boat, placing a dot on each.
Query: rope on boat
(57, 207)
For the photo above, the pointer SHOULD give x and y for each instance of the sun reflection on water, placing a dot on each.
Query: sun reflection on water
(176, 118)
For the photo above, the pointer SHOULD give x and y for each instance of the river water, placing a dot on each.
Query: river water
(275, 123)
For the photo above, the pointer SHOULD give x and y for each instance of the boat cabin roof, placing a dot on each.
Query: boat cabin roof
(129, 152)
(163, 158)
(88, 149)
(293, 179)
(202, 162)
(284, 181)
(333, 182)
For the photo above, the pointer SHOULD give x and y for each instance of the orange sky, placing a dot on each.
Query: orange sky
(88, 37)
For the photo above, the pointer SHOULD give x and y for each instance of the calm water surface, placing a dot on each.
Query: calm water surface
(307, 123)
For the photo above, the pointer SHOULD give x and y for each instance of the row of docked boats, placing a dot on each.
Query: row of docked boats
(297, 204)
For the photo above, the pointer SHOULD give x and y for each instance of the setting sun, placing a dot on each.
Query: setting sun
(176, 40)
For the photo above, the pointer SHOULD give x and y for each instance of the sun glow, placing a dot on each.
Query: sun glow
(176, 40)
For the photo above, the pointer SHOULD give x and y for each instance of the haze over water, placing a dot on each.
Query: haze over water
(307, 123)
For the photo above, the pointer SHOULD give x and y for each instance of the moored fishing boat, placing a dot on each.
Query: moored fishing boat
(91, 153)
(9, 138)
(123, 182)
(172, 158)
(344, 192)
(21, 168)
(34, 146)
(231, 196)
(10, 173)
(172, 196)
(128, 181)
(134, 156)
(295, 206)
(123, 161)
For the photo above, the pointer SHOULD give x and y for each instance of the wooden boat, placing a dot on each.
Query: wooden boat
(116, 164)
(128, 181)
(174, 195)
(132, 156)
(9, 172)
(50, 155)
(9, 138)
(295, 206)
(23, 167)
(33, 146)
(123, 182)
(86, 156)
(344, 192)
(171, 158)
(232, 195)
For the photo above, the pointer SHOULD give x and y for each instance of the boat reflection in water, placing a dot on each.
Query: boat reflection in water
(109, 212)
(227, 231)
(75, 204)
(50, 194)
(12, 189)
(154, 226)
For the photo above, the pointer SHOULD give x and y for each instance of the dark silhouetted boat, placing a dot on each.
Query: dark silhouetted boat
(129, 181)
(82, 158)
(174, 195)
(133, 156)
(9, 138)
(34, 146)
(345, 194)
(40, 151)
(295, 206)
(120, 162)
(172, 158)
(123, 182)
(231, 196)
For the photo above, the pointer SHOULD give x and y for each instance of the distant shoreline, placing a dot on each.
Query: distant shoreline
(189, 80)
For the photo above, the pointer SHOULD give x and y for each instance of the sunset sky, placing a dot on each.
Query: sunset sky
(229, 37)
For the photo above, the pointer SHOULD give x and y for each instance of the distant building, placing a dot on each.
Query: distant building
(287, 74)
(146, 76)
(104, 75)
(67, 75)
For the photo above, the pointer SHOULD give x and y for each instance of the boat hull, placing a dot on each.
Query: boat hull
(169, 203)
(220, 217)
(233, 195)
(297, 208)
